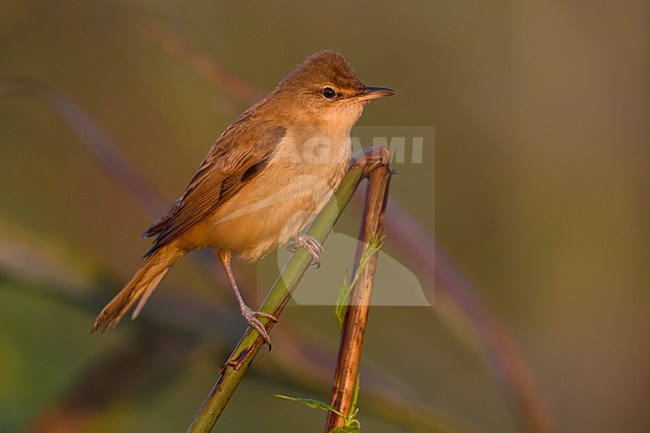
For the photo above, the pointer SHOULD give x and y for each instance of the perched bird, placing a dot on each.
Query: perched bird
(263, 181)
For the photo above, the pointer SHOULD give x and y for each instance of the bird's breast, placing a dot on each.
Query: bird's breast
(276, 205)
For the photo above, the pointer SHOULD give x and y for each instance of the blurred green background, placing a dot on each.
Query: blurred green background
(541, 112)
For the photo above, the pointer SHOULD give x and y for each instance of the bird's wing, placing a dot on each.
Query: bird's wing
(238, 155)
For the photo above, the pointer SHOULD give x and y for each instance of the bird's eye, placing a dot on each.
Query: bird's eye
(329, 93)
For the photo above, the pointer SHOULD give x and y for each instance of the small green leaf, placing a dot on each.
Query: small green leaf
(343, 297)
(352, 425)
(353, 428)
(342, 300)
(354, 409)
(311, 402)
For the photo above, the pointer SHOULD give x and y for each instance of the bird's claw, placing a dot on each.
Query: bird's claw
(252, 319)
(309, 243)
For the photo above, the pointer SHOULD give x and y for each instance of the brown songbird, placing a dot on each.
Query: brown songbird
(263, 181)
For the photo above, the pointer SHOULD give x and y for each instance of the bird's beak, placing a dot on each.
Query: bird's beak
(370, 93)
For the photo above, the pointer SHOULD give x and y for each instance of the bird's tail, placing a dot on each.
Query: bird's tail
(139, 289)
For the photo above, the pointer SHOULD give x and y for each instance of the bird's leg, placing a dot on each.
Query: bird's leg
(313, 247)
(250, 315)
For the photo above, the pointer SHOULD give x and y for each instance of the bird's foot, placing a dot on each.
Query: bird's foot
(313, 247)
(252, 319)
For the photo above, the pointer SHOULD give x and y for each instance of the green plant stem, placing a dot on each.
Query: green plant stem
(234, 370)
